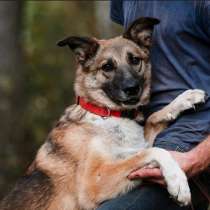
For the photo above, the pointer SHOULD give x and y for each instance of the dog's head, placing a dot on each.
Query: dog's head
(116, 72)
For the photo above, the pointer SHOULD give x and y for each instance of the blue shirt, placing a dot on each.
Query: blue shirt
(180, 59)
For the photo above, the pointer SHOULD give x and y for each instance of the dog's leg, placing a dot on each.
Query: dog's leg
(104, 180)
(160, 119)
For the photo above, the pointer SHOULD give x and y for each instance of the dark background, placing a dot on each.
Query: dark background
(36, 77)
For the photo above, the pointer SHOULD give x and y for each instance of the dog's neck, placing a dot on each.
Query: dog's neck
(104, 111)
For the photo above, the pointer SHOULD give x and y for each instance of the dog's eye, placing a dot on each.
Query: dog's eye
(108, 67)
(134, 60)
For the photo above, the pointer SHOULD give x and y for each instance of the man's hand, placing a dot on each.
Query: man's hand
(155, 175)
(148, 174)
(188, 161)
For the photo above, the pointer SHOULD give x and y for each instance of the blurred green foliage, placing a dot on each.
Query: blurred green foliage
(50, 69)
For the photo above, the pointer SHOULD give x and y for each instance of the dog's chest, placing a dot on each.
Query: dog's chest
(121, 136)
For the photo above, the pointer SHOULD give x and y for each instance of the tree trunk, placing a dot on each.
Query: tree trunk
(11, 90)
(106, 28)
(103, 19)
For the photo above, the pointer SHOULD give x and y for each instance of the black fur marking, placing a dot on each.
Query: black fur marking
(106, 76)
(32, 192)
(125, 77)
(55, 149)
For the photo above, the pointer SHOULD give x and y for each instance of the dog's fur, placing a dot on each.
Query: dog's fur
(87, 158)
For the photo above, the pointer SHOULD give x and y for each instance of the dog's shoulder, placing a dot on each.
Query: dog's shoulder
(72, 114)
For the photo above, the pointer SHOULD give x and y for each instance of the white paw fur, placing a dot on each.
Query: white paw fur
(177, 184)
(185, 101)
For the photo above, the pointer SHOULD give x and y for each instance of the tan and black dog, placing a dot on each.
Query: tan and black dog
(97, 142)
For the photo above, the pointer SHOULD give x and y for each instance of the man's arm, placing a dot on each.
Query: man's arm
(192, 162)
(196, 160)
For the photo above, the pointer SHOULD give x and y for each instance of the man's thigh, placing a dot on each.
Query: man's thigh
(146, 197)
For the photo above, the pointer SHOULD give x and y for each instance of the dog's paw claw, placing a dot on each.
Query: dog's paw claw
(189, 99)
(194, 96)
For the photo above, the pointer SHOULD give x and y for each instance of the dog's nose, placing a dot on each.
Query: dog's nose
(131, 88)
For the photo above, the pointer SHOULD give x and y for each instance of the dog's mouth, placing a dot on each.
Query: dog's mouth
(132, 101)
(119, 97)
(124, 101)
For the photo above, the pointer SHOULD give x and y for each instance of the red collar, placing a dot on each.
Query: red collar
(104, 111)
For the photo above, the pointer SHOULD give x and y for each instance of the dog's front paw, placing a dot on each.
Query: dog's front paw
(185, 101)
(179, 189)
(175, 178)
(190, 98)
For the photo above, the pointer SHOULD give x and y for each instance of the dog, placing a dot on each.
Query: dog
(98, 142)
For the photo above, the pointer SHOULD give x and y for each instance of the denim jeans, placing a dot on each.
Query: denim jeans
(152, 197)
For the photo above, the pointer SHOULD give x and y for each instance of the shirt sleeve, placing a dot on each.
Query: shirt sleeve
(116, 11)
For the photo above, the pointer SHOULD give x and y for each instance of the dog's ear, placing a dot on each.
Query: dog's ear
(140, 31)
(84, 47)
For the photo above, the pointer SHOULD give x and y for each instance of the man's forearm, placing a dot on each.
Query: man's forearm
(198, 158)
(192, 163)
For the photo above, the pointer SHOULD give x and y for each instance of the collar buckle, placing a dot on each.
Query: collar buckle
(108, 112)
